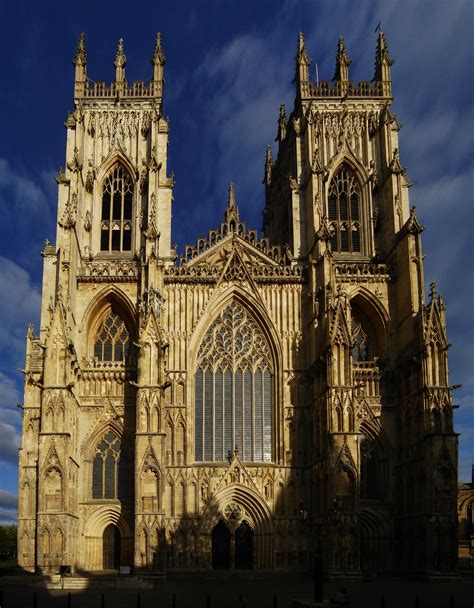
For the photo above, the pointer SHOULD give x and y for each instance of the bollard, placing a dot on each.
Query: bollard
(208, 601)
(417, 601)
(382, 601)
(69, 599)
(102, 601)
(138, 601)
(451, 601)
(275, 601)
(1, 599)
(35, 599)
(173, 601)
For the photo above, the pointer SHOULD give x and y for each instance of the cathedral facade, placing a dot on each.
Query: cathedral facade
(260, 398)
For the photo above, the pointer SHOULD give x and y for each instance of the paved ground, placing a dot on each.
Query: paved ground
(248, 593)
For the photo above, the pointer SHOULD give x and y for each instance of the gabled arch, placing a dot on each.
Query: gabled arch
(90, 443)
(370, 311)
(116, 157)
(97, 307)
(345, 156)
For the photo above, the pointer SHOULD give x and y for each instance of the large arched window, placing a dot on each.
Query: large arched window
(108, 469)
(116, 218)
(233, 390)
(344, 212)
(112, 339)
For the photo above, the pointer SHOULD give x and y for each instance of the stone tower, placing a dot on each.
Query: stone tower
(260, 397)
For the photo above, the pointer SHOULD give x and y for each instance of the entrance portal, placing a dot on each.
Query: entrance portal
(221, 547)
(227, 554)
(111, 548)
(244, 547)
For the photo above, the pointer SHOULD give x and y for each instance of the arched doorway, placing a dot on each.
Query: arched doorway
(111, 548)
(244, 547)
(221, 547)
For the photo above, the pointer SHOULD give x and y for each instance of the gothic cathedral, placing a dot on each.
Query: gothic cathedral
(262, 396)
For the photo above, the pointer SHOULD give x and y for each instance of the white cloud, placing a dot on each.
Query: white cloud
(19, 305)
(8, 500)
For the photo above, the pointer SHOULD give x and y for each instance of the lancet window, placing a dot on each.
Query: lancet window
(112, 340)
(233, 390)
(116, 218)
(108, 469)
(344, 212)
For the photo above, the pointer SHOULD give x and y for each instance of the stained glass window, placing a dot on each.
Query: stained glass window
(116, 219)
(344, 212)
(233, 390)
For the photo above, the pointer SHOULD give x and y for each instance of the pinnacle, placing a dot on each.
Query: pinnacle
(120, 58)
(158, 54)
(81, 55)
(231, 201)
(232, 211)
(302, 53)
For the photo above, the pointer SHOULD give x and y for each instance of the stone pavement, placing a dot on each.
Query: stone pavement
(246, 592)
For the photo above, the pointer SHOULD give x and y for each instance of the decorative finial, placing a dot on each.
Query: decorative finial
(80, 57)
(232, 211)
(282, 123)
(158, 54)
(433, 291)
(302, 54)
(120, 58)
(342, 62)
(231, 201)
(268, 166)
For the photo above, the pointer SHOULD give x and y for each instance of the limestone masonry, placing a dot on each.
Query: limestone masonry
(262, 397)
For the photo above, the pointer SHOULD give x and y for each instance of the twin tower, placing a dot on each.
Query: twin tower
(265, 395)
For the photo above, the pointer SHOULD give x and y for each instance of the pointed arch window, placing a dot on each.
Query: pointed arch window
(233, 390)
(116, 217)
(108, 468)
(112, 339)
(344, 212)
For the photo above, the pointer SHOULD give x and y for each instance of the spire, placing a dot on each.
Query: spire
(302, 61)
(158, 61)
(268, 167)
(80, 62)
(282, 123)
(342, 62)
(382, 65)
(120, 62)
(232, 211)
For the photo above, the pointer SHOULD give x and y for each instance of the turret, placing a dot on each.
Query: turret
(80, 62)
(342, 63)
(382, 65)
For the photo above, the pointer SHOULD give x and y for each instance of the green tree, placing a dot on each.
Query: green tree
(8, 542)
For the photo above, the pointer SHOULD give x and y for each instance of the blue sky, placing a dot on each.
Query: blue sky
(229, 65)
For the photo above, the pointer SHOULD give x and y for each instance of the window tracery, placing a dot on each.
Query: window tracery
(359, 341)
(233, 390)
(116, 217)
(108, 470)
(344, 212)
(112, 339)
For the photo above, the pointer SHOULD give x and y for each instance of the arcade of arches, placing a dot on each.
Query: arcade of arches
(222, 408)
